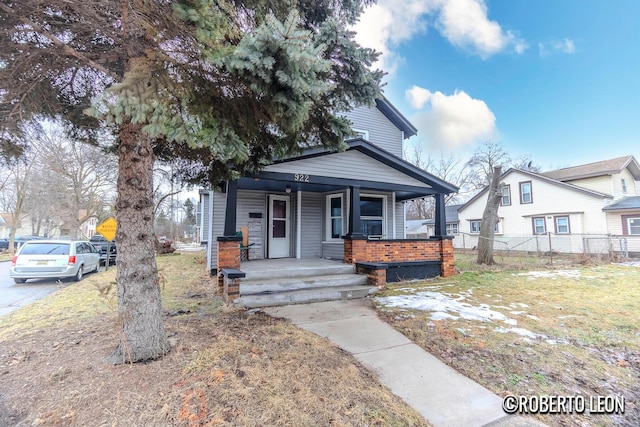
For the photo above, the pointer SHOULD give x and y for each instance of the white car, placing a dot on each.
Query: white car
(57, 259)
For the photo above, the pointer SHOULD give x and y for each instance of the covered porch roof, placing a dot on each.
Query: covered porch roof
(362, 164)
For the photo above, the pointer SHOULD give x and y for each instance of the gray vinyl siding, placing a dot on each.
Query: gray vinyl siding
(219, 205)
(253, 202)
(312, 220)
(333, 250)
(399, 220)
(203, 216)
(350, 164)
(382, 132)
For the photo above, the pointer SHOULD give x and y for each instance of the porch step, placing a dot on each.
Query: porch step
(295, 269)
(303, 296)
(270, 286)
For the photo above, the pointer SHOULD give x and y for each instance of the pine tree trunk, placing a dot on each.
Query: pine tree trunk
(139, 303)
(490, 219)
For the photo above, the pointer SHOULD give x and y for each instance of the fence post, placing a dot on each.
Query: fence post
(610, 247)
(550, 248)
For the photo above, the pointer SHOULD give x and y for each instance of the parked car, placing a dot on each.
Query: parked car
(56, 259)
(102, 244)
(21, 240)
(4, 244)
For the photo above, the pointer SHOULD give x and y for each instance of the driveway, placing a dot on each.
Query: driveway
(14, 296)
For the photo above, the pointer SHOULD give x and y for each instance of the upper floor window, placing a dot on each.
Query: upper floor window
(506, 195)
(359, 133)
(624, 185)
(562, 225)
(539, 225)
(526, 195)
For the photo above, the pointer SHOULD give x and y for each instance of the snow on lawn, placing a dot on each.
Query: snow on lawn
(447, 306)
(569, 274)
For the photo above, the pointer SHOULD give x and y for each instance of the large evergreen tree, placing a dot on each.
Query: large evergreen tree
(223, 86)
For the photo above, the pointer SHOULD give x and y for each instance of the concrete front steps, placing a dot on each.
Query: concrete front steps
(277, 282)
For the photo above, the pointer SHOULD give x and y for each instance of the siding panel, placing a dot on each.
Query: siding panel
(312, 219)
(382, 132)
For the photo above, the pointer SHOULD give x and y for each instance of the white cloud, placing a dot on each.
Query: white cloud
(386, 24)
(466, 25)
(451, 121)
(565, 46)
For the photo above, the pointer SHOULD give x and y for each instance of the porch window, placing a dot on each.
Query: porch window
(334, 216)
(539, 226)
(562, 224)
(633, 225)
(372, 215)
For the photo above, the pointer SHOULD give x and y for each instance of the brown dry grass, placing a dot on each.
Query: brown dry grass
(587, 324)
(227, 367)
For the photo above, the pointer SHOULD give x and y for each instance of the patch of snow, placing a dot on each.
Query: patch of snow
(517, 313)
(512, 322)
(532, 317)
(569, 274)
(440, 315)
(520, 331)
(518, 304)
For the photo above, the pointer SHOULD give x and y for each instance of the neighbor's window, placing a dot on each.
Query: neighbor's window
(506, 195)
(452, 229)
(372, 215)
(633, 225)
(525, 192)
(475, 226)
(539, 226)
(624, 185)
(562, 225)
(334, 216)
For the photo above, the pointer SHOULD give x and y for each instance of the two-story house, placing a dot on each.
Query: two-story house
(346, 206)
(580, 206)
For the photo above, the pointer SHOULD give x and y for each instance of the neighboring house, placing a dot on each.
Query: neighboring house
(345, 206)
(580, 206)
(453, 222)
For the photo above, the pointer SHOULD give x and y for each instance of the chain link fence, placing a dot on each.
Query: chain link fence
(609, 246)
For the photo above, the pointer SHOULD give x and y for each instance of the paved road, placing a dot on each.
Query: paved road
(14, 296)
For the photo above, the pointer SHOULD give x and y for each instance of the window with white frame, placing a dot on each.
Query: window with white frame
(474, 226)
(452, 229)
(360, 133)
(506, 195)
(562, 225)
(539, 225)
(633, 225)
(334, 216)
(525, 192)
(372, 216)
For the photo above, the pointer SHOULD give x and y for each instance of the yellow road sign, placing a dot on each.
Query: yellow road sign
(108, 228)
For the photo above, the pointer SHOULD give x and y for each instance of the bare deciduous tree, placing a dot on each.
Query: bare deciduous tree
(490, 218)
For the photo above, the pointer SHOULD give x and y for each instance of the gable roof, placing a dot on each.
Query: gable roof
(601, 168)
(622, 204)
(450, 213)
(396, 117)
(543, 178)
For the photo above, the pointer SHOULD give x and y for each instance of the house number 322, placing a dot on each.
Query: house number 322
(301, 177)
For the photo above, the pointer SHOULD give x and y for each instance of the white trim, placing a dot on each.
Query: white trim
(210, 232)
(299, 224)
(365, 133)
(328, 223)
(287, 226)
(393, 210)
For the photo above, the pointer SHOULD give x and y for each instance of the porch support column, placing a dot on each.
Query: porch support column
(230, 209)
(355, 228)
(441, 220)
(299, 224)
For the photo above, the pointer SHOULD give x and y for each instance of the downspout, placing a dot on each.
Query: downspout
(299, 224)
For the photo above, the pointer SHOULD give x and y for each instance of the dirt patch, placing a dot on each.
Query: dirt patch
(225, 368)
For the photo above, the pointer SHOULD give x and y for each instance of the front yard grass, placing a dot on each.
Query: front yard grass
(525, 329)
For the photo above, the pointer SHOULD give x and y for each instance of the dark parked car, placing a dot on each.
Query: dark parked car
(4, 244)
(101, 244)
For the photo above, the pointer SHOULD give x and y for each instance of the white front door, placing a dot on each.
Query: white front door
(278, 240)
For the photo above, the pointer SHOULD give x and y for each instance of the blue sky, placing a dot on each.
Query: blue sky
(556, 80)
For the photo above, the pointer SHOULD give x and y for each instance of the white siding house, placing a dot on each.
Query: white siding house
(581, 207)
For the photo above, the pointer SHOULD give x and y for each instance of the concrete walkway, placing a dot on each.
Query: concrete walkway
(443, 396)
